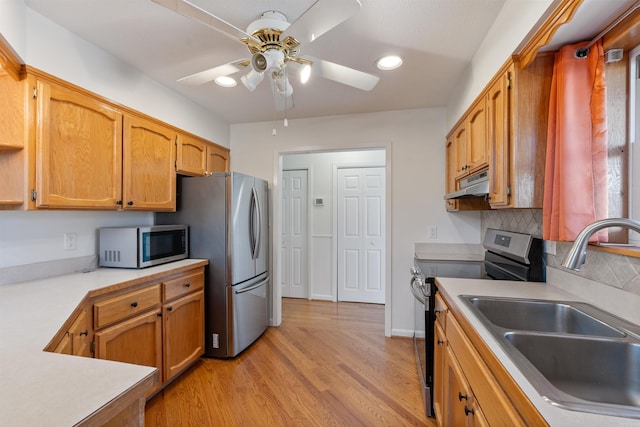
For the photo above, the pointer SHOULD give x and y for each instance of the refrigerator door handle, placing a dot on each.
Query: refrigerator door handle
(250, 288)
(255, 220)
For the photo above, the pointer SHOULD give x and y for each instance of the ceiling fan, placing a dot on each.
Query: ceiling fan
(274, 43)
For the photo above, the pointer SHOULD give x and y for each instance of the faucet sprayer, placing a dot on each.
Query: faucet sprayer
(578, 252)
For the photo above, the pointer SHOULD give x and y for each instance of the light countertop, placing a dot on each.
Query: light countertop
(43, 388)
(555, 416)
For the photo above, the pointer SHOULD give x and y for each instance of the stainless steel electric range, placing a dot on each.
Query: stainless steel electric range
(507, 256)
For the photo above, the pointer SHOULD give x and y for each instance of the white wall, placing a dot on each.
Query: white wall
(515, 20)
(13, 25)
(34, 237)
(320, 168)
(37, 236)
(415, 161)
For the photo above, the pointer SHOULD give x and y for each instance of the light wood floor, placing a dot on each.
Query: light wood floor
(328, 364)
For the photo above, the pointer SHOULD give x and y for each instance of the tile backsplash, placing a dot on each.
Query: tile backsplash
(610, 269)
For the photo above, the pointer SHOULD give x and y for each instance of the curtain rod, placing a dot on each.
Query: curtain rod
(583, 51)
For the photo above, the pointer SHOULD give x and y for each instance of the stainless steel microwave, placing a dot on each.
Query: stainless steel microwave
(139, 247)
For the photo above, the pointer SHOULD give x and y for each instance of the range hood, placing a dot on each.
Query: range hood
(473, 186)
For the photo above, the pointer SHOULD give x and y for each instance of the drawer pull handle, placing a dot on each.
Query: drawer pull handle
(86, 332)
(130, 203)
(169, 308)
(440, 342)
(134, 304)
(468, 411)
(462, 396)
(187, 285)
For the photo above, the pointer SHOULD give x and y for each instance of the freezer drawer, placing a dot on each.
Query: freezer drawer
(248, 313)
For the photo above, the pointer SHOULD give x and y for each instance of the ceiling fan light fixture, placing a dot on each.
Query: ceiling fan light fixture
(389, 62)
(225, 81)
(283, 86)
(305, 73)
(252, 79)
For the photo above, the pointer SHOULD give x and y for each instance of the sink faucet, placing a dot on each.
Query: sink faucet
(578, 252)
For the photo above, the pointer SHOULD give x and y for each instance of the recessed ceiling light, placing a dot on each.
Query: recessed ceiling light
(225, 81)
(390, 62)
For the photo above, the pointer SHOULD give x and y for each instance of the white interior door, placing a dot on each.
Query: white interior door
(361, 235)
(294, 234)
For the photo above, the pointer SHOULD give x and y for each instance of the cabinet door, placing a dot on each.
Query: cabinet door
(477, 137)
(460, 146)
(499, 139)
(217, 159)
(457, 393)
(191, 157)
(439, 349)
(81, 334)
(137, 341)
(78, 150)
(183, 333)
(450, 184)
(148, 174)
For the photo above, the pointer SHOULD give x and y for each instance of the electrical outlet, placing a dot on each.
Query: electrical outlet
(70, 241)
(550, 247)
(433, 232)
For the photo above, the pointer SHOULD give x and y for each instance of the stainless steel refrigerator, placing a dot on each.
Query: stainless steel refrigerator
(228, 220)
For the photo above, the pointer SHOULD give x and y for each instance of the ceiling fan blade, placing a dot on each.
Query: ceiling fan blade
(190, 10)
(345, 75)
(213, 73)
(322, 16)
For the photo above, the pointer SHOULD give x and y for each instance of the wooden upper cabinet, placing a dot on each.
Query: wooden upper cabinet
(13, 136)
(450, 182)
(460, 150)
(498, 122)
(477, 158)
(78, 150)
(191, 157)
(149, 175)
(217, 159)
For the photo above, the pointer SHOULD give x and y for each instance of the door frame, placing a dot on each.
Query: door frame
(276, 221)
(334, 249)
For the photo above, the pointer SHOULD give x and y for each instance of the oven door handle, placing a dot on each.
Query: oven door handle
(416, 291)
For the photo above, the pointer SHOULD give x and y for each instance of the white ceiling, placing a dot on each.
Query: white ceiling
(436, 38)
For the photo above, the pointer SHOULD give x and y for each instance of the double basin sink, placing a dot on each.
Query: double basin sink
(575, 355)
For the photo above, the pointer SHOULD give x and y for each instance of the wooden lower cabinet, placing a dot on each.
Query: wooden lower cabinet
(439, 352)
(137, 341)
(466, 392)
(183, 333)
(461, 408)
(77, 339)
(168, 334)
(158, 324)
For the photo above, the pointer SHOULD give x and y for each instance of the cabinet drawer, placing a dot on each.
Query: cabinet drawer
(496, 406)
(121, 307)
(182, 285)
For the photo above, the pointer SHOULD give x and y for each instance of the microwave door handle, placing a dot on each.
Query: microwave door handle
(255, 224)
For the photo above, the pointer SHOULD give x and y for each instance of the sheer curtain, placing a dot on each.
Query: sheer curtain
(575, 187)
